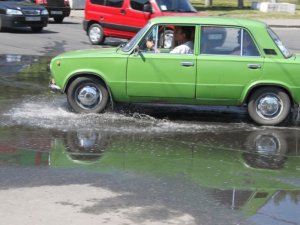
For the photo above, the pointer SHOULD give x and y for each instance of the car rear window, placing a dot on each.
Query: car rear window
(284, 50)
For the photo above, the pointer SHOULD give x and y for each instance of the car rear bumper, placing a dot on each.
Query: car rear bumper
(58, 11)
(10, 21)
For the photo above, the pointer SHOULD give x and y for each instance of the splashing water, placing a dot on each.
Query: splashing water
(55, 115)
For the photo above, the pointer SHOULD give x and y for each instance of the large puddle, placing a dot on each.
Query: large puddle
(176, 164)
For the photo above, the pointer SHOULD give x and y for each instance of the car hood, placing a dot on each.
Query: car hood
(87, 53)
(20, 5)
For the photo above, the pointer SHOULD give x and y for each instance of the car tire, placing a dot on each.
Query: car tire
(87, 95)
(266, 149)
(58, 19)
(166, 39)
(36, 29)
(269, 106)
(96, 34)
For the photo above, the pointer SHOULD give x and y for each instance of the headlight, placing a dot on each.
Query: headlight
(44, 12)
(13, 12)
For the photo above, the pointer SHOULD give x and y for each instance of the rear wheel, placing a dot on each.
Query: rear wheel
(96, 34)
(269, 106)
(87, 95)
(58, 19)
(36, 29)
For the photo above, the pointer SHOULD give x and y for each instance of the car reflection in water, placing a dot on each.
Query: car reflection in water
(251, 171)
(242, 174)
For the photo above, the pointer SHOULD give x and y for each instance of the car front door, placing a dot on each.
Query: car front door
(227, 63)
(158, 73)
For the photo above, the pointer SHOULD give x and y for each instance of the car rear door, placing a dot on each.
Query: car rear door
(224, 68)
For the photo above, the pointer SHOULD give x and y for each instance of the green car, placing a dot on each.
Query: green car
(212, 61)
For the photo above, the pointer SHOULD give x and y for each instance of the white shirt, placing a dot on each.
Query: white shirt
(186, 48)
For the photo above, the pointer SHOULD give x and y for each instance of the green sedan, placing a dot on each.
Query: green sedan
(210, 61)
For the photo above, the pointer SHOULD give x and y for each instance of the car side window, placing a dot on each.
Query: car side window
(227, 41)
(139, 4)
(170, 39)
(111, 3)
(98, 2)
(114, 3)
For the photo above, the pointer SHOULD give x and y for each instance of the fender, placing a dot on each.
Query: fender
(248, 89)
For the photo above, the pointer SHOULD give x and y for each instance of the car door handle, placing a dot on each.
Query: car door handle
(123, 11)
(254, 66)
(187, 64)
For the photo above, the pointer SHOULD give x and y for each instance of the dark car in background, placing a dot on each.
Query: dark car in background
(57, 9)
(20, 13)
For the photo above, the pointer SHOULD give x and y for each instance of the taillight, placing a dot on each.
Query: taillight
(66, 2)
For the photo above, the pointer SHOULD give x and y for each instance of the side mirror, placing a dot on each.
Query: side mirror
(147, 8)
(136, 50)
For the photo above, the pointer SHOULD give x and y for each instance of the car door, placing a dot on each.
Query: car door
(134, 13)
(160, 74)
(225, 65)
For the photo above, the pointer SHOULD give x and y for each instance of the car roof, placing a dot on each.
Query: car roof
(209, 21)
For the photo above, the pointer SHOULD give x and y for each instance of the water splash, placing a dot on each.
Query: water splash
(54, 114)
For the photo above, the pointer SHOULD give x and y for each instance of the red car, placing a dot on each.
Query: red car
(124, 18)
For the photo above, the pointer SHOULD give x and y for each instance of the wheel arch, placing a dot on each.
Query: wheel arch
(92, 75)
(254, 88)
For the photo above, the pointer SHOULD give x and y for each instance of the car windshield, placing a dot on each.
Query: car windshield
(279, 44)
(133, 41)
(175, 6)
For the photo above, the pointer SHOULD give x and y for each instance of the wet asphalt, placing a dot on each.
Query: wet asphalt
(138, 164)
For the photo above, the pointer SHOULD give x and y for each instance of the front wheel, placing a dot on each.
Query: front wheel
(96, 34)
(87, 95)
(166, 39)
(269, 106)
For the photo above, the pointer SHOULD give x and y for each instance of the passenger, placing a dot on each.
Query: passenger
(249, 48)
(183, 36)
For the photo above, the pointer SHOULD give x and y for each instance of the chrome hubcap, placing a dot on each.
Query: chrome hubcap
(168, 40)
(88, 97)
(95, 34)
(267, 144)
(269, 106)
(87, 140)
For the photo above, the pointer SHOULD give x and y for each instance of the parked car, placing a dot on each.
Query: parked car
(124, 18)
(233, 62)
(57, 9)
(21, 13)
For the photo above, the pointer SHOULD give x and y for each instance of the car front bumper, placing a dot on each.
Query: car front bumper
(53, 87)
(10, 21)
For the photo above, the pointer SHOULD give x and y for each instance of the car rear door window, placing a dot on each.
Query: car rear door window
(227, 41)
